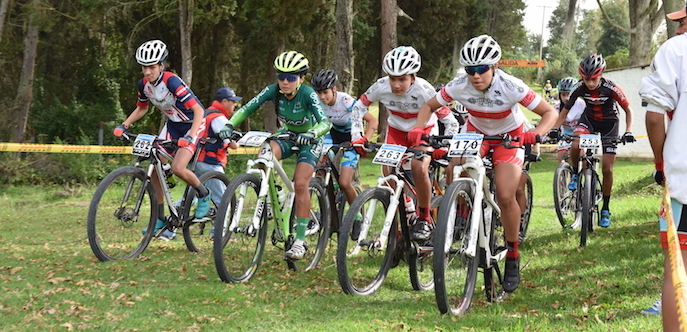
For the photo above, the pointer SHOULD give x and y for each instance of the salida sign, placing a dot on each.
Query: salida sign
(522, 63)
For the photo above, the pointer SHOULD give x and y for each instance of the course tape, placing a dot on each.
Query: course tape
(100, 149)
(677, 265)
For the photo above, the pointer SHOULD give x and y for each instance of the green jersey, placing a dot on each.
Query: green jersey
(302, 113)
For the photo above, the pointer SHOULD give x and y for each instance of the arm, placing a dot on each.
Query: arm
(138, 113)
(426, 112)
(548, 118)
(198, 114)
(561, 118)
(357, 114)
(655, 128)
(323, 125)
(372, 124)
(253, 105)
(629, 116)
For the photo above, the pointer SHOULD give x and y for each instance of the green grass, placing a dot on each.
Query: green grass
(52, 282)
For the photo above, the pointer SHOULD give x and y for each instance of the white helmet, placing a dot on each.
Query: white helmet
(151, 52)
(402, 60)
(480, 50)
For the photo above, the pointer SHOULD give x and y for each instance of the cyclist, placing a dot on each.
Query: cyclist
(338, 106)
(491, 97)
(666, 100)
(572, 118)
(547, 90)
(600, 115)
(300, 110)
(185, 121)
(402, 92)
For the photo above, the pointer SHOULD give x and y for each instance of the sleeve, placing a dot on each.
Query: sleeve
(357, 113)
(660, 89)
(182, 92)
(142, 100)
(253, 105)
(574, 94)
(531, 99)
(620, 97)
(450, 122)
(323, 125)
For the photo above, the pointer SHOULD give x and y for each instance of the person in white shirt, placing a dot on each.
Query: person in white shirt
(664, 92)
(491, 97)
(402, 92)
(572, 118)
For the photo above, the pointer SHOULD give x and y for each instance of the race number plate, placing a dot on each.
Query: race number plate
(143, 145)
(389, 155)
(253, 138)
(590, 141)
(465, 145)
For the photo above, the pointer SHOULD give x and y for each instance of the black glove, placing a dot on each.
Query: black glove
(658, 173)
(628, 137)
(554, 134)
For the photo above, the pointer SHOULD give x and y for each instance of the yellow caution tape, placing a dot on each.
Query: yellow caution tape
(61, 148)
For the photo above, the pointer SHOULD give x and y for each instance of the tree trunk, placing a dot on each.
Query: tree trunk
(3, 13)
(670, 6)
(270, 113)
(389, 42)
(185, 30)
(645, 17)
(343, 40)
(25, 90)
(569, 27)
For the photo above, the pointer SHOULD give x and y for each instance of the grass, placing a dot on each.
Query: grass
(52, 282)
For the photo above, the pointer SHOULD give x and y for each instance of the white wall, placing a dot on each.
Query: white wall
(629, 80)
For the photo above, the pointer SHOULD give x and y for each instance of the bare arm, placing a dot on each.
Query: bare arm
(426, 112)
(372, 124)
(629, 116)
(198, 114)
(655, 128)
(561, 117)
(548, 118)
(138, 113)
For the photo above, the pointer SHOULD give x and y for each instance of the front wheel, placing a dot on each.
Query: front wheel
(527, 213)
(362, 258)
(564, 199)
(455, 272)
(590, 187)
(122, 206)
(421, 256)
(240, 230)
(198, 231)
(317, 232)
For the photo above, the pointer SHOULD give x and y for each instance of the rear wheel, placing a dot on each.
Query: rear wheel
(317, 233)
(362, 259)
(455, 272)
(494, 270)
(420, 258)
(564, 200)
(525, 218)
(240, 230)
(122, 206)
(198, 232)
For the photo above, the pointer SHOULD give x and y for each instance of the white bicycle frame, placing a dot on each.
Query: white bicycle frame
(479, 231)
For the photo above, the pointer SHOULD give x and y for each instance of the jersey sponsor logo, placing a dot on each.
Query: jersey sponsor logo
(600, 100)
(304, 121)
(510, 85)
(485, 102)
(297, 108)
(403, 105)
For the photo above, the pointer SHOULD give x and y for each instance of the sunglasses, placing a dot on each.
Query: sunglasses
(288, 77)
(481, 69)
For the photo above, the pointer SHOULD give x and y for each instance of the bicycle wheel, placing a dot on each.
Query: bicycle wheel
(239, 241)
(525, 218)
(121, 200)
(340, 205)
(198, 232)
(588, 205)
(494, 272)
(420, 259)
(564, 199)
(317, 233)
(455, 273)
(362, 260)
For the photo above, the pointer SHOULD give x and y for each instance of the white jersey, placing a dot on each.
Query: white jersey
(665, 94)
(573, 116)
(495, 111)
(403, 109)
(340, 113)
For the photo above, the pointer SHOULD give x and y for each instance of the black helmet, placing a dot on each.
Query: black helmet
(323, 80)
(439, 86)
(592, 66)
(566, 84)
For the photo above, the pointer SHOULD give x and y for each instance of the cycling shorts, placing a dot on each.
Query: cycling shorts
(350, 157)
(176, 130)
(605, 128)
(399, 137)
(500, 153)
(679, 218)
(306, 154)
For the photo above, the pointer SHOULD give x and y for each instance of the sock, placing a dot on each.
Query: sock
(301, 227)
(161, 212)
(606, 200)
(512, 248)
(201, 191)
(425, 213)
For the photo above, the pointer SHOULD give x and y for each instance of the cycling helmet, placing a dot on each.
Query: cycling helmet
(480, 50)
(291, 62)
(323, 80)
(592, 66)
(566, 84)
(402, 60)
(151, 52)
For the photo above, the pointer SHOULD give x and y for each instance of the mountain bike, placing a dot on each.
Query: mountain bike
(565, 200)
(588, 193)
(469, 234)
(251, 200)
(528, 194)
(125, 203)
(368, 248)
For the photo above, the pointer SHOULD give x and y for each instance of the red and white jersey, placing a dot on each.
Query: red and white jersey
(495, 111)
(403, 109)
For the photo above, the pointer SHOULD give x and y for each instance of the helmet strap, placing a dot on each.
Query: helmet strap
(293, 93)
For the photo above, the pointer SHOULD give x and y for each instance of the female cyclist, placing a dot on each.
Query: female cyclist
(491, 98)
(565, 86)
(300, 110)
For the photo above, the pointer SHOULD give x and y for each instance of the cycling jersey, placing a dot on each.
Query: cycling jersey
(403, 109)
(495, 111)
(340, 113)
(170, 94)
(302, 113)
(215, 119)
(573, 116)
(600, 101)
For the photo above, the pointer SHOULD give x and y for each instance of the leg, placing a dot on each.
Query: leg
(345, 178)
(606, 188)
(422, 229)
(510, 217)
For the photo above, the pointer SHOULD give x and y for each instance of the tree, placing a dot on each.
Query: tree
(389, 42)
(185, 30)
(344, 56)
(25, 90)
